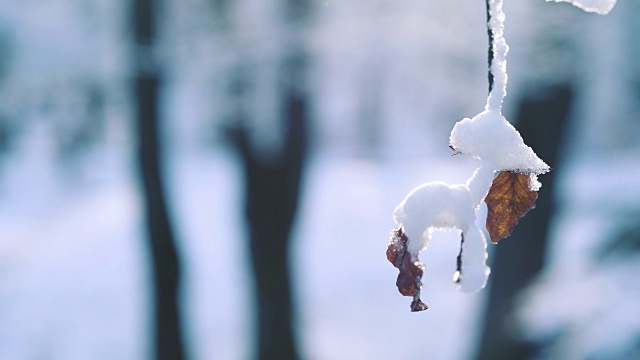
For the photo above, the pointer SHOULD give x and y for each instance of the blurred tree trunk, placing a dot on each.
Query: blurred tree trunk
(542, 120)
(7, 127)
(165, 264)
(272, 190)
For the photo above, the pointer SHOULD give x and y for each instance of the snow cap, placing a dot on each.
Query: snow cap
(491, 138)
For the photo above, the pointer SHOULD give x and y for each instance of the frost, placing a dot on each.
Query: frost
(601, 7)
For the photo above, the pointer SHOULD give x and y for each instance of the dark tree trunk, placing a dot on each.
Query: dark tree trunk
(272, 184)
(272, 191)
(165, 264)
(272, 187)
(542, 120)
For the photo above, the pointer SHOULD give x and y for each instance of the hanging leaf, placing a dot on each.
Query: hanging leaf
(411, 269)
(510, 198)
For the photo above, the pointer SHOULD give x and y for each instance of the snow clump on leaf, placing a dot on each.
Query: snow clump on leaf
(491, 138)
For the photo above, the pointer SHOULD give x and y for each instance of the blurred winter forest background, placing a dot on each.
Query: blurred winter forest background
(288, 132)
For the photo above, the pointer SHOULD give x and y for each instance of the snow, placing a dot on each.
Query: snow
(437, 205)
(601, 7)
(499, 62)
(491, 138)
(479, 183)
(488, 135)
(72, 284)
(474, 272)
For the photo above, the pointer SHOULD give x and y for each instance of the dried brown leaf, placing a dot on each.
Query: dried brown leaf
(411, 269)
(510, 198)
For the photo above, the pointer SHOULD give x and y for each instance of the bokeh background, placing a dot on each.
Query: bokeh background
(383, 82)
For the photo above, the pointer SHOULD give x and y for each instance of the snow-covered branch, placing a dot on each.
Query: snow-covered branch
(601, 7)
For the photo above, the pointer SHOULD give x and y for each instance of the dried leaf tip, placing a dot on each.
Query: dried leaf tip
(417, 305)
(410, 268)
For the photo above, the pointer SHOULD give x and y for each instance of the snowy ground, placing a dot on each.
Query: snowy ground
(72, 284)
(348, 304)
(584, 305)
(73, 275)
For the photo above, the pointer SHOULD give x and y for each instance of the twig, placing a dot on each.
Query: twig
(490, 51)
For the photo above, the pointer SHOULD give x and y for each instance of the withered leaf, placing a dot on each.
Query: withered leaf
(510, 198)
(411, 269)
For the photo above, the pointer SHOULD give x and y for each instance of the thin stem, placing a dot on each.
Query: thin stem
(458, 274)
(490, 51)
